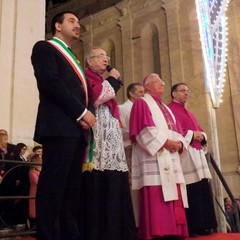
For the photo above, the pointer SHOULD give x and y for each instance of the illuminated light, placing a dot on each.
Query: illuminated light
(212, 20)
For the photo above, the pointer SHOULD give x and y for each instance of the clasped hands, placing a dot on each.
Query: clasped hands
(173, 146)
(198, 136)
(87, 121)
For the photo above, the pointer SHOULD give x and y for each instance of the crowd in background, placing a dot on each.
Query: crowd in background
(19, 180)
(230, 214)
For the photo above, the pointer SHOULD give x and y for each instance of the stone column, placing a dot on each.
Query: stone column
(125, 22)
(175, 50)
(216, 184)
(233, 62)
(22, 24)
(87, 33)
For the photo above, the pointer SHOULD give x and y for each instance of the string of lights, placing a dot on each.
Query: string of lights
(212, 21)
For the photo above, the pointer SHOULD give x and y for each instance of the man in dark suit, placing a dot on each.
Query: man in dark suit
(62, 120)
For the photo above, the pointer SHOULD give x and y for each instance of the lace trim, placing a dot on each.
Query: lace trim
(108, 150)
(107, 93)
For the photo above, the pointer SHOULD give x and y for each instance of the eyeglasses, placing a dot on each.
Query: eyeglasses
(183, 91)
(101, 57)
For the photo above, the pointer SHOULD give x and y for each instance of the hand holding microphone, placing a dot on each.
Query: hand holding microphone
(114, 74)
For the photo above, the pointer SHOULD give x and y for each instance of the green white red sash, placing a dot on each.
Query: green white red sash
(61, 47)
(88, 156)
(69, 56)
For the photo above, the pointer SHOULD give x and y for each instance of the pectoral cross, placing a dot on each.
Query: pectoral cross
(167, 172)
(170, 124)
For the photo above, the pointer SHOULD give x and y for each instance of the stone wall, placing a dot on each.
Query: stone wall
(128, 28)
(21, 25)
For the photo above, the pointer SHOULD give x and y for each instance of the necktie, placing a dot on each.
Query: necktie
(74, 54)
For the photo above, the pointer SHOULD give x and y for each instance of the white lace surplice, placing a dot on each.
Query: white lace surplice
(108, 143)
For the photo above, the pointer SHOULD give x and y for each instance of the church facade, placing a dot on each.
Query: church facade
(145, 36)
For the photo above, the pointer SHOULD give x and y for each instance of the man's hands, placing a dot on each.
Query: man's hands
(87, 121)
(173, 146)
(198, 136)
(115, 73)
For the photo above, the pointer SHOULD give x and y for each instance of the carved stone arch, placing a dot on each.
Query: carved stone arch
(150, 48)
(109, 46)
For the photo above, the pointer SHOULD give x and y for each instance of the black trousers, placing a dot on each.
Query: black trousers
(200, 214)
(108, 206)
(58, 191)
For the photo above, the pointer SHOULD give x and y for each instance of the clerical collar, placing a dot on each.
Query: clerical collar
(90, 68)
(183, 104)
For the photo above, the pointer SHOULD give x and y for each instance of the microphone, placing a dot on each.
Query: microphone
(109, 68)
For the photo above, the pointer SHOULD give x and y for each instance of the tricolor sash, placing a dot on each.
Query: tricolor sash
(69, 56)
(88, 156)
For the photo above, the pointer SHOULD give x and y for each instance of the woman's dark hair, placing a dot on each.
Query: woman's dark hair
(19, 147)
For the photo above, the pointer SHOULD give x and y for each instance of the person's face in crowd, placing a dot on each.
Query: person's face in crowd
(23, 151)
(155, 87)
(137, 93)
(39, 152)
(3, 141)
(69, 29)
(228, 202)
(181, 94)
(98, 61)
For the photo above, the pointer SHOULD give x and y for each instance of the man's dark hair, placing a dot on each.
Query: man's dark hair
(132, 88)
(36, 148)
(175, 86)
(59, 18)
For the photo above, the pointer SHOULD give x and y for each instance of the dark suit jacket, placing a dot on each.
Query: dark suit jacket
(9, 183)
(62, 97)
(22, 174)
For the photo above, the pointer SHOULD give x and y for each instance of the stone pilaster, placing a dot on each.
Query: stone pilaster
(22, 24)
(125, 22)
(87, 33)
(173, 27)
(234, 62)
